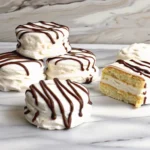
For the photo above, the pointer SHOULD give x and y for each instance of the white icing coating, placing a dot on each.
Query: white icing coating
(44, 119)
(14, 76)
(142, 75)
(36, 44)
(71, 69)
(135, 51)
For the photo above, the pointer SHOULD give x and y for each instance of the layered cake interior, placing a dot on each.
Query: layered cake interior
(127, 80)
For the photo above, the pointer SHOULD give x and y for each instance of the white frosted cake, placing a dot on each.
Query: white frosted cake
(138, 51)
(128, 81)
(41, 40)
(78, 65)
(18, 72)
(57, 104)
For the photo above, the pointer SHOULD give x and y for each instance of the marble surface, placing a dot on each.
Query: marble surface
(90, 21)
(114, 125)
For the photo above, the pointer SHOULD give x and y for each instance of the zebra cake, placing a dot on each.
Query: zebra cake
(128, 81)
(18, 72)
(42, 40)
(78, 65)
(57, 104)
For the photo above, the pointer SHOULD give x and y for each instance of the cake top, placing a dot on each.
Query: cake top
(71, 98)
(134, 67)
(52, 30)
(15, 63)
(135, 51)
(77, 57)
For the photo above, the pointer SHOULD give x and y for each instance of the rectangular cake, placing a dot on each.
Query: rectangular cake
(128, 81)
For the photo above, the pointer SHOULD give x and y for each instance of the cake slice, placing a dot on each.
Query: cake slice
(128, 81)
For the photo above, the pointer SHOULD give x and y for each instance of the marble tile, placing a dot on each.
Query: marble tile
(90, 21)
(114, 125)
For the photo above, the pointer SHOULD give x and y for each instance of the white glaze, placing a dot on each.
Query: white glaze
(44, 119)
(14, 77)
(138, 51)
(71, 69)
(38, 45)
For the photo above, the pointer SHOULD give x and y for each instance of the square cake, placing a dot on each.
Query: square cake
(127, 80)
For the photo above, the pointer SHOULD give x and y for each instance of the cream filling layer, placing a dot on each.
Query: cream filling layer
(122, 86)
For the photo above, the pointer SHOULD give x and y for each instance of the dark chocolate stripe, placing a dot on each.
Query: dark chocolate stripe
(27, 111)
(46, 29)
(83, 50)
(48, 94)
(89, 79)
(140, 63)
(41, 30)
(78, 97)
(50, 28)
(146, 62)
(81, 64)
(73, 55)
(145, 100)
(59, 86)
(135, 68)
(32, 90)
(65, 47)
(61, 26)
(84, 90)
(5, 59)
(35, 116)
(48, 100)
(16, 63)
(59, 103)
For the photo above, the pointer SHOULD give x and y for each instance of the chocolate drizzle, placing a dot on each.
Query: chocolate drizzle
(89, 79)
(35, 116)
(145, 100)
(27, 111)
(134, 68)
(77, 55)
(15, 58)
(49, 96)
(65, 47)
(34, 27)
(141, 63)
(138, 69)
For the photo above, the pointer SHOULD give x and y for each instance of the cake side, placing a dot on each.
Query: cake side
(128, 78)
(121, 95)
(127, 81)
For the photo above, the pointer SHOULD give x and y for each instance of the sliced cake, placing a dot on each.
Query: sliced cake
(127, 80)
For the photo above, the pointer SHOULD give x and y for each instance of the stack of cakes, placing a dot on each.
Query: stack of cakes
(61, 101)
